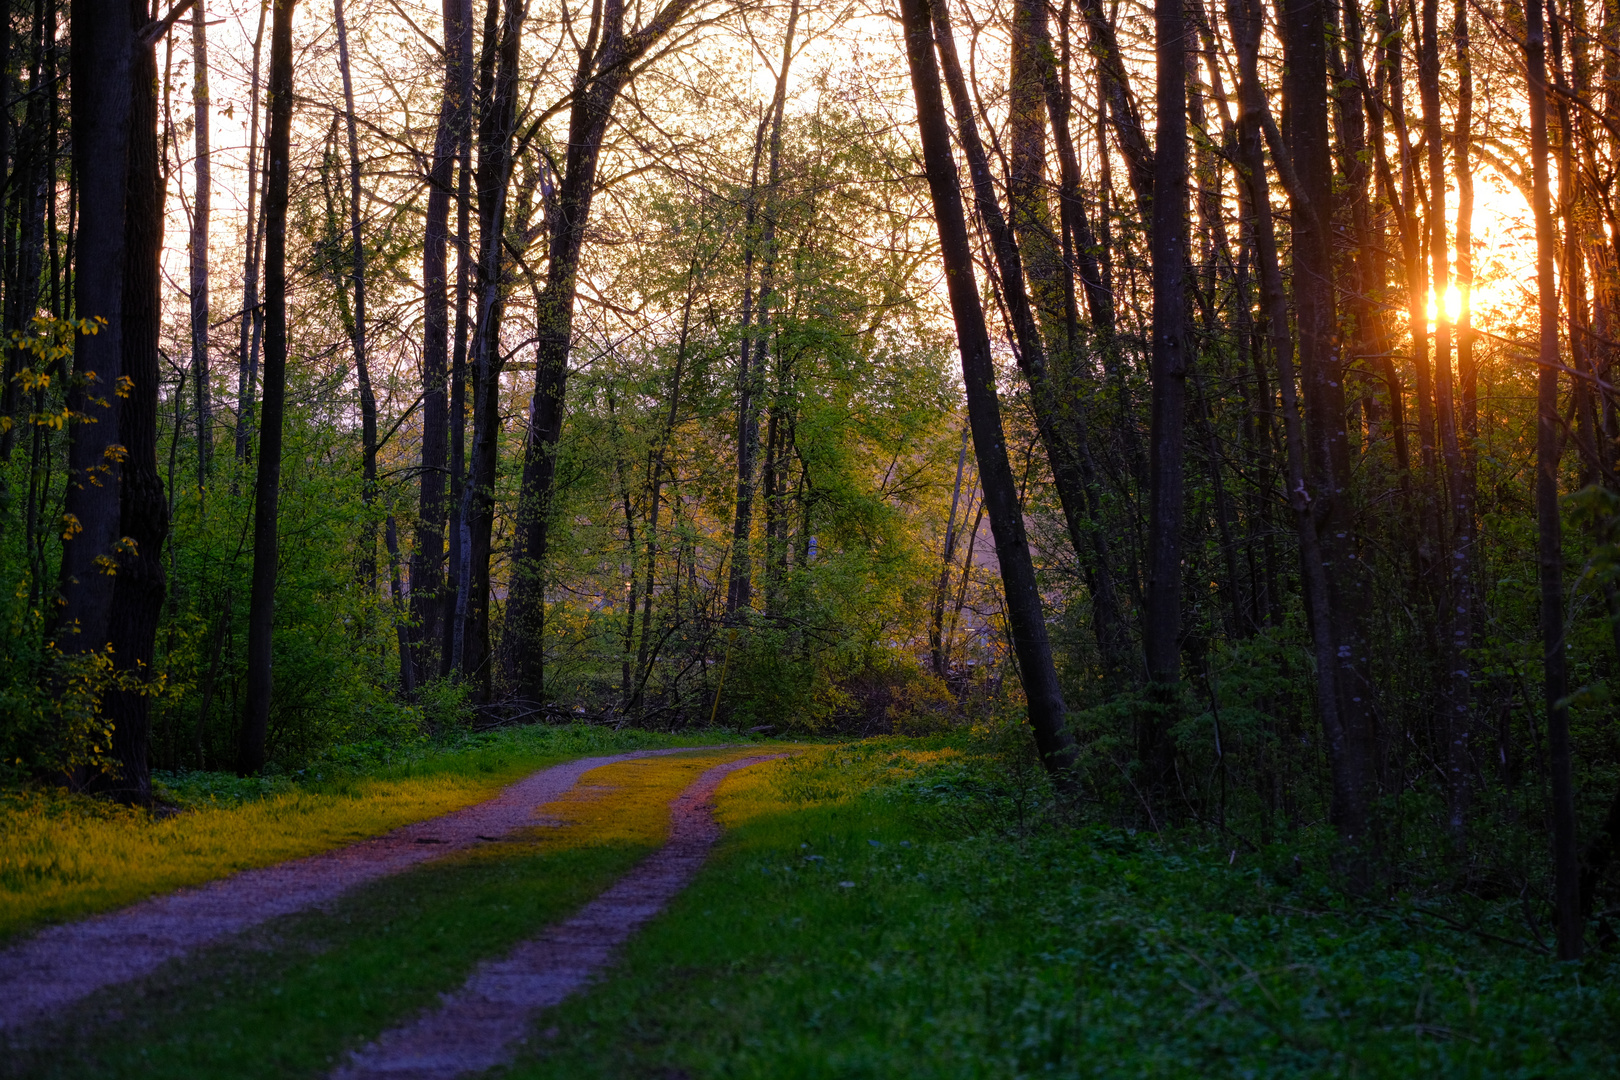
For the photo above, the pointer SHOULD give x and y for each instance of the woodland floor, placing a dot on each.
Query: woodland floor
(876, 909)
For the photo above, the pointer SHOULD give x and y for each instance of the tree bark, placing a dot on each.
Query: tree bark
(103, 59)
(1550, 555)
(1062, 431)
(201, 216)
(1454, 698)
(267, 489)
(751, 375)
(452, 609)
(1171, 360)
(144, 511)
(603, 72)
(936, 628)
(495, 134)
(1025, 618)
(1245, 19)
(357, 326)
(427, 561)
(252, 325)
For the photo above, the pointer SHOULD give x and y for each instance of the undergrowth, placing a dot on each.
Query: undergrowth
(879, 913)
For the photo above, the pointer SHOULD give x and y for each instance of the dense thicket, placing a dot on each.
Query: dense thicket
(505, 361)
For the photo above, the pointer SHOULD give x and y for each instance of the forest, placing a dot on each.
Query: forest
(1209, 408)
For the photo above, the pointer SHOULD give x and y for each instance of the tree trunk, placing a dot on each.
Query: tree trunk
(144, 516)
(427, 561)
(252, 324)
(103, 58)
(1566, 864)
(267, 488)
(1062, 431)
(201, 207)
(452, 609)
(1171, 359)
(478, 499)
(1454, 698)
(751, 375)
(1025, 618)
(1322, 371)
(603, 73)
(936, 628)
(357, 328)
(1245, 19)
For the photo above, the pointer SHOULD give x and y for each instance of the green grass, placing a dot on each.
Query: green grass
(849, 931)
(62, 856)
(292, 997)
(891, 908)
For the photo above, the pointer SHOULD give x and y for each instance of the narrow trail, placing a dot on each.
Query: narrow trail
(60, 965)
(481, 1025)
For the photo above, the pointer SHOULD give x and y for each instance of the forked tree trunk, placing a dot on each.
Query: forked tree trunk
(267, 488)
(1245, 19)
(1025, 619)
(602, 74)
(1322, 373)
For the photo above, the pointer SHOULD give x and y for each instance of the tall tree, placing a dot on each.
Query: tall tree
(496, 131)
(1026, 621)
(427, 561)
(251, 326)
(1455, 592)
(751, 370)
(1305, 154)
(267, 488)
(139, 583)
(201, 217)
(607, 61)
(103, 59)
(357, 319)
(1171, 360)
(1550, 551)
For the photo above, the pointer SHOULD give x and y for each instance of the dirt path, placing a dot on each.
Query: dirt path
(482, 1024)
(62, 964)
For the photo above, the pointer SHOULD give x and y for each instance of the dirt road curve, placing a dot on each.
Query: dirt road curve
(62, 964)
(482, 1025)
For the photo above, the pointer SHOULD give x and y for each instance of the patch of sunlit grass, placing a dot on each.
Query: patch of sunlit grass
(66, 856)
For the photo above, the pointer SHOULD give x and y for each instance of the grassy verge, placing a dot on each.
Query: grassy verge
(879, 913)
(62, 857)
(291, 998)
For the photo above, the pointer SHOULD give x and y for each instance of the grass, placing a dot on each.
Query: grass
(291, 998)
(63, 857)
(878, 913)
(889, 908)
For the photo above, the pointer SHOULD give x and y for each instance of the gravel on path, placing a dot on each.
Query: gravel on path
(482, 1025)
(60, 965)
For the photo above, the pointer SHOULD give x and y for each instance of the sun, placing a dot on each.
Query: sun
(1454, 305)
